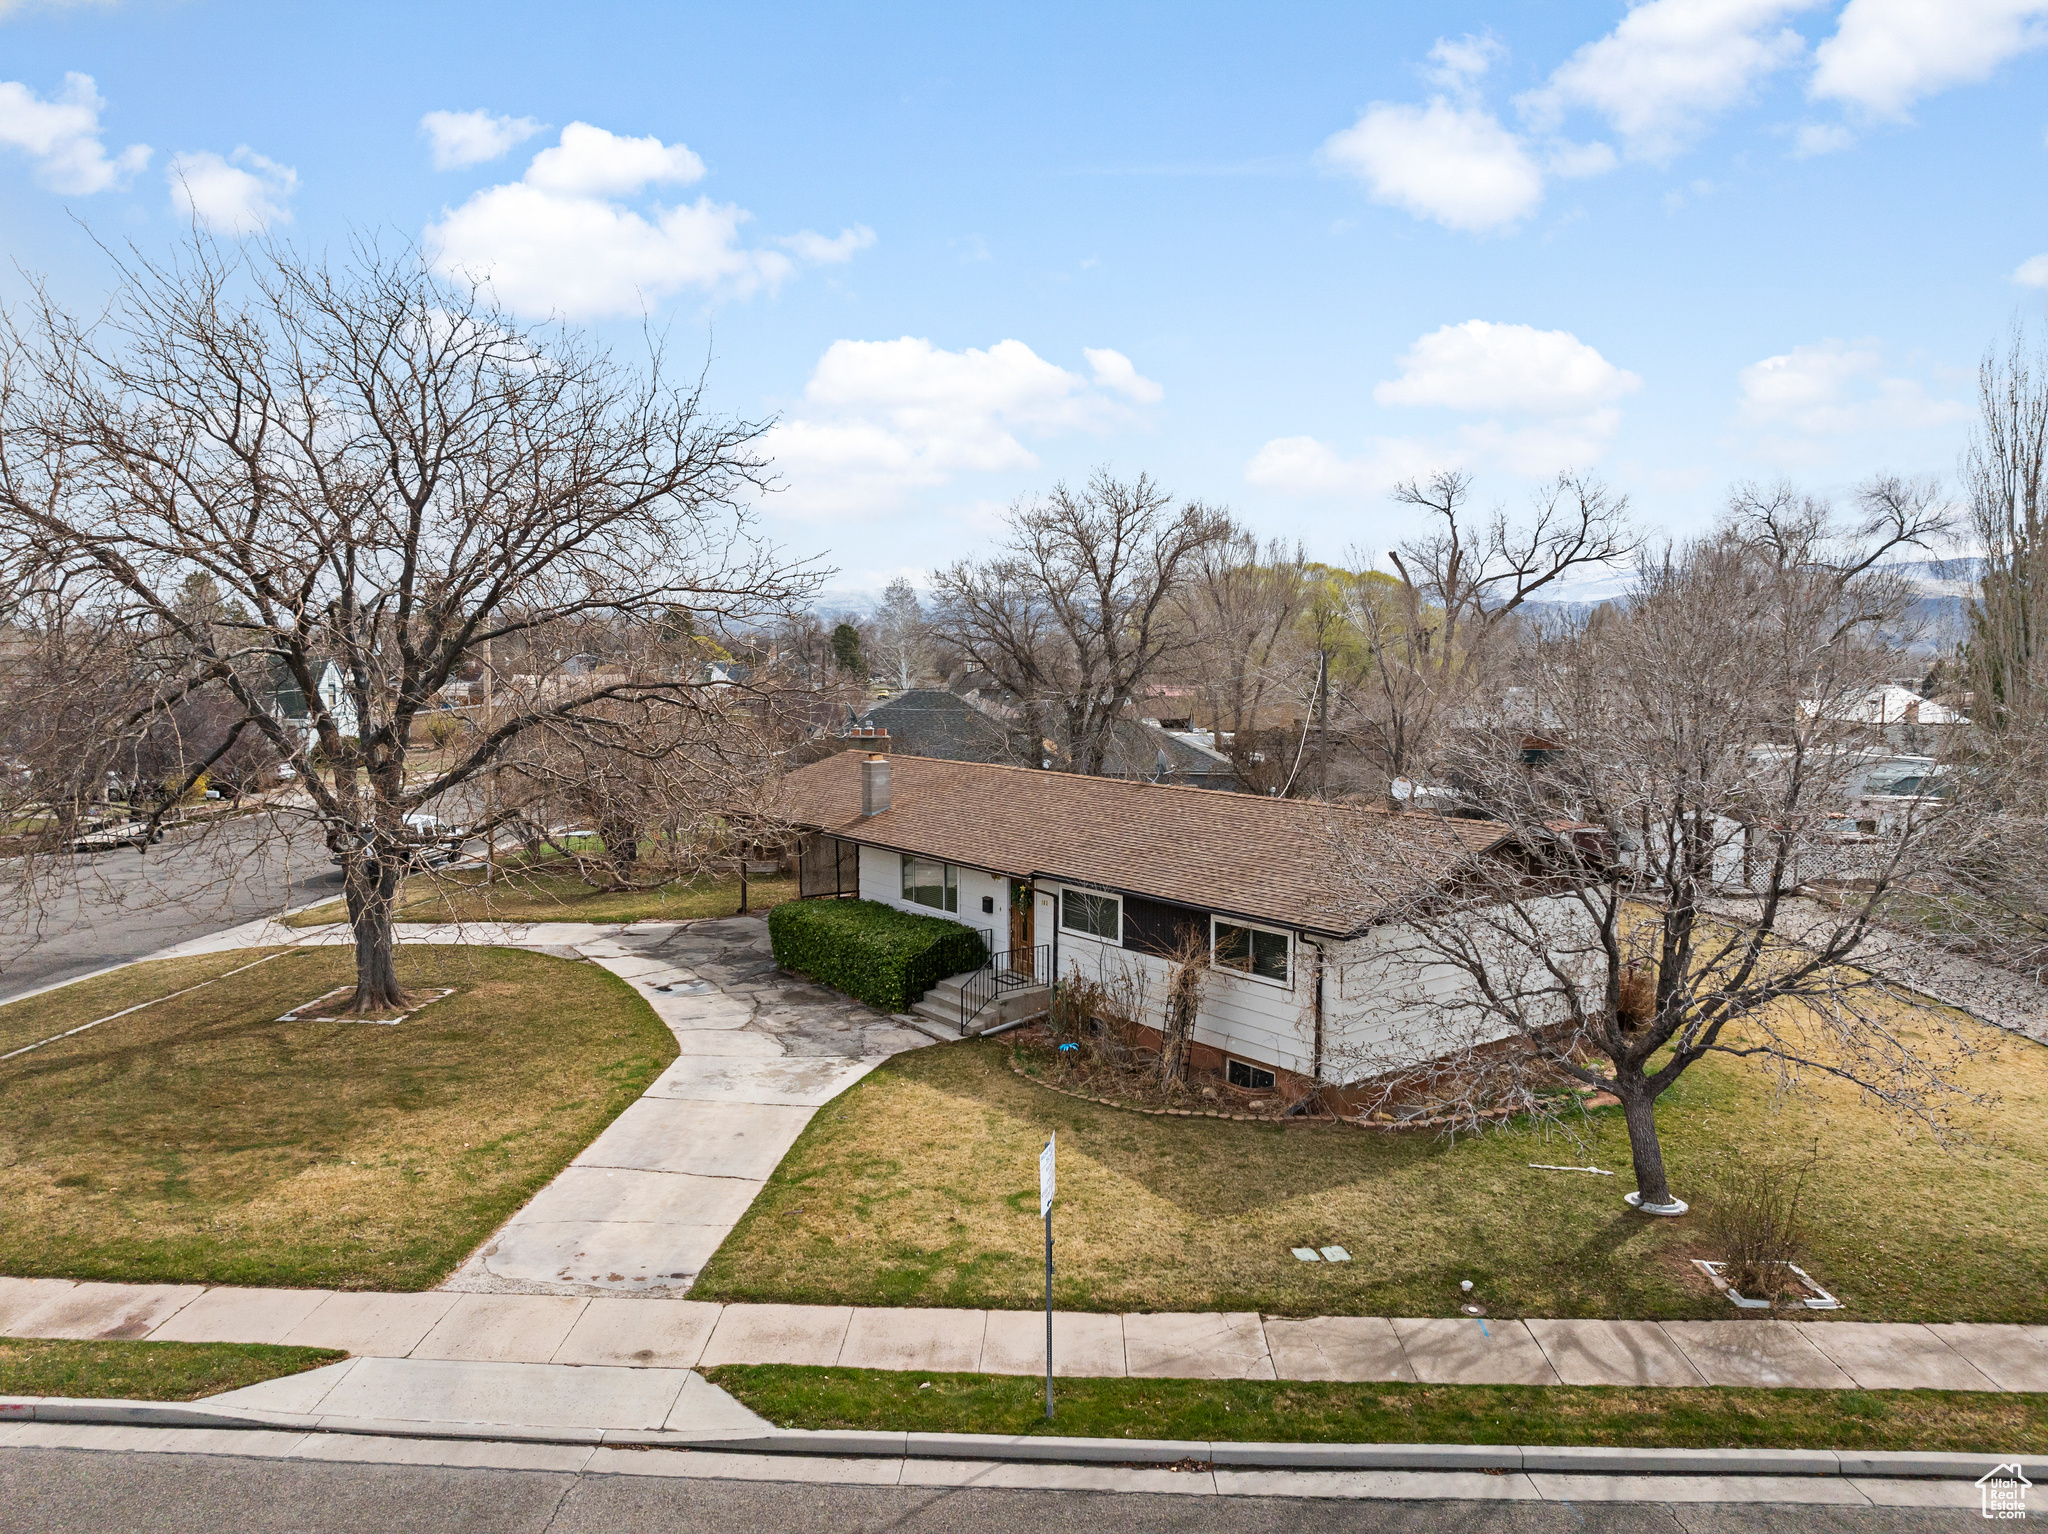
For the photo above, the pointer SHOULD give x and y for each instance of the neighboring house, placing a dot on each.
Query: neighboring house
(933, 722)
(288, 702)
(1108, 873)
(929, 721)
(1907, 721)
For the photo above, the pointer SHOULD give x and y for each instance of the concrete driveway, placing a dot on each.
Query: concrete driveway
(642, 1209)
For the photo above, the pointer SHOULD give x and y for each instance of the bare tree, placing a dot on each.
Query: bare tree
(1071, 615)
(901, 644)
(2006, 475)
(1456, 589)
(381, 472)
(1698, 742)
(1237, 608)
(1187, 960)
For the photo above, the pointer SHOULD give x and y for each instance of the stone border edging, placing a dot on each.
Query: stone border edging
(1055, 1450)
(1321, 1120)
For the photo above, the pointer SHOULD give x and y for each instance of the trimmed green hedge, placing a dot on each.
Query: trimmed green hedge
(873, 952)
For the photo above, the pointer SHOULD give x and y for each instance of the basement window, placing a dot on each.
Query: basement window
(929, 883)
(1251, 951)
(1257, 1077)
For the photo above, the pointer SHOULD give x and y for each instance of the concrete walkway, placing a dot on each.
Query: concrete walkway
(665, 1334)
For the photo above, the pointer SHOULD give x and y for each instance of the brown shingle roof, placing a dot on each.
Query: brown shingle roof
(1274, 860)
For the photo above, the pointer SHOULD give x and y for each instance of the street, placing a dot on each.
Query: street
(127, 903)
(67, 1490)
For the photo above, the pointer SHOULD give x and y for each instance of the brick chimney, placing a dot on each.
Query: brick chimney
(874, 785)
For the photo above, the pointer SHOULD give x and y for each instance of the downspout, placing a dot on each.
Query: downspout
(1318, 1057)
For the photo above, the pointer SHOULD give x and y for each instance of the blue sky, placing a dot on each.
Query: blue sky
(1278, 256)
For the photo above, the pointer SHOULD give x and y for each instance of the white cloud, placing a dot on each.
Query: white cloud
(1457, 63)
(593, 162)
(1116, 372)
(882, 417)
(2032, 272)
(1483, 366)
(1820, 138)
(62, 137)
(1557, 393)
(1668, 67)
(1451, 163)
(813, 247)
(470, 138)
(243, 193)
(1834, 389)
(562, 239)
(1305, 466)
(1887, 54)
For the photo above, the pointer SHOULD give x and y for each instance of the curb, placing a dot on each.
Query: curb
(1052, 1450)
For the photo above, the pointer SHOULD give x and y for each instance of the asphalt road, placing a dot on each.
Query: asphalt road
(126, 903)
(78, 1490)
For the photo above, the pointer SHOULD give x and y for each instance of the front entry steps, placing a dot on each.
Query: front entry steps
(938, 1011)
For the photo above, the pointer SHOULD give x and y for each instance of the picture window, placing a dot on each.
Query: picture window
(1251, 951)
(931, 884)
(1096, 915)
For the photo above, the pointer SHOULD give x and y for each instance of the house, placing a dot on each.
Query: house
(1905, 720)
(288, 702)
(935, 722)
(1075, 874)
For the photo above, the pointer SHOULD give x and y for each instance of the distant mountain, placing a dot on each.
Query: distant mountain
(1937, 620)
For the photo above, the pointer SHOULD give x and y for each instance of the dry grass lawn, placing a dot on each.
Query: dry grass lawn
(202, 1141)
(919, 1187)
(145, 1371)
(543, 895)
(1294, 1411)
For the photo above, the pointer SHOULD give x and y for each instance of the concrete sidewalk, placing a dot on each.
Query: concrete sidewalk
(648, 1333)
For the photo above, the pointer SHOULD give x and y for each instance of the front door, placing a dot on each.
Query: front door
(1020, 920)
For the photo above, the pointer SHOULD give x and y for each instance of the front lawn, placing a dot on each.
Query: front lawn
(1293, 1411)
(545, 894)
(918, 1186)
(200, 1140)
(145, 1371)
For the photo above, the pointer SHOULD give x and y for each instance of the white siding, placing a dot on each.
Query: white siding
(1377, 1003)
(1256, 1020)
(881, 879)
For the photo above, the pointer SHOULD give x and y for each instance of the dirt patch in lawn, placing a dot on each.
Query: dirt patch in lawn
(919, 1187)
(203, 1140)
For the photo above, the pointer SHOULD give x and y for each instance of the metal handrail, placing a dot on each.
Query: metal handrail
(1014, 969)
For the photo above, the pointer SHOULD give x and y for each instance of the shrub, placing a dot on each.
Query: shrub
(1754, 1223)
(873, 952)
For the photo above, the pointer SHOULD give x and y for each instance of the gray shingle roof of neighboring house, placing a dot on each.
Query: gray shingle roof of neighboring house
(1323, 868)
(932, 722)
(929, 721)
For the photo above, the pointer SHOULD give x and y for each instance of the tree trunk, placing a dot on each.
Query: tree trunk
(372, 891)
(1639, 1112)
(621, 838)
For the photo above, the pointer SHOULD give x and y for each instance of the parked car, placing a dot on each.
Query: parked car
(106, 837)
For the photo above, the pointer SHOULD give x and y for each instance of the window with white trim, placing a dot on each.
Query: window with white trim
(1254, 951)
(930, 883)
(1096, 915)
